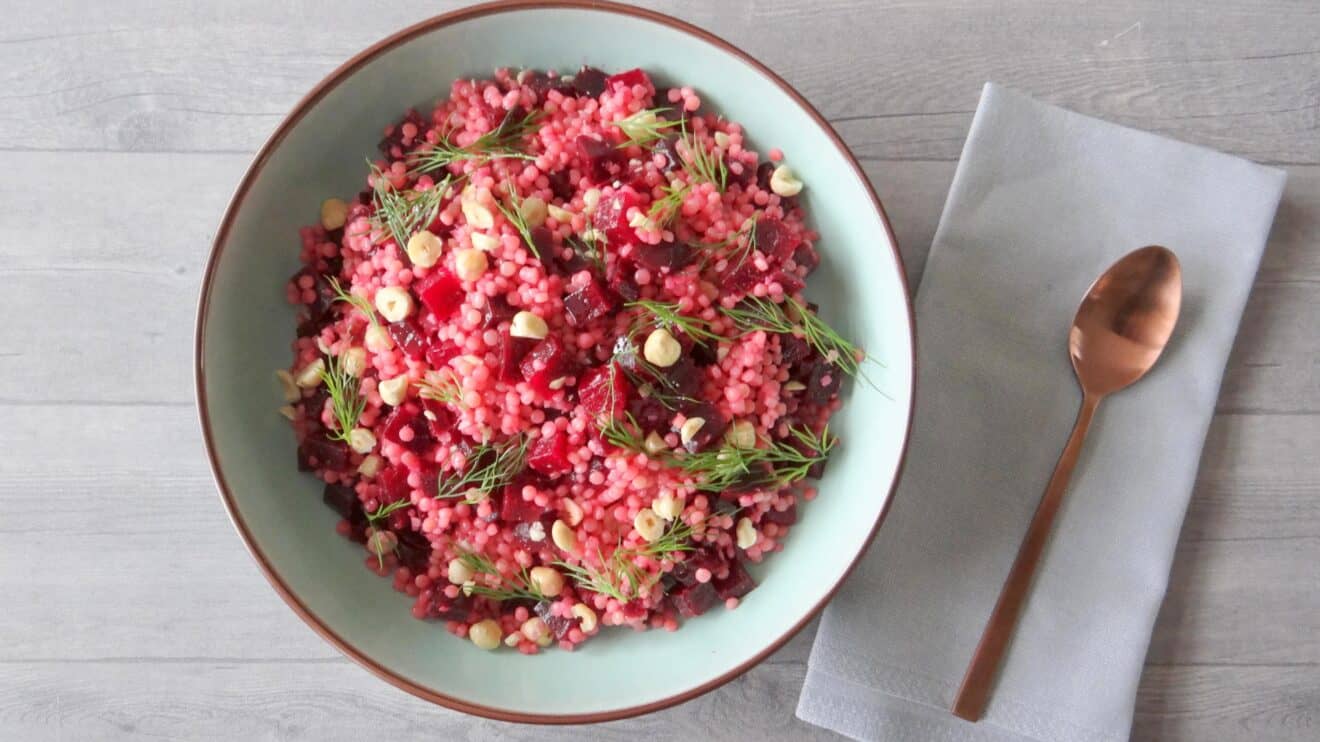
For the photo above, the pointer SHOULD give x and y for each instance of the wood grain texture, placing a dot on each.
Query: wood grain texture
(143, 114)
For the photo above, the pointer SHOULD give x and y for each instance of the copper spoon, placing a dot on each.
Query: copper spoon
(1121, 327)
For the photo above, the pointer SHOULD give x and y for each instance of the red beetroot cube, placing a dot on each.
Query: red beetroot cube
(495, 311)
(559, 626)
(434, 604)
(550, 455)
(408, 335)
(775, 239)
(630, 78)
(612, 217)
(546, 362)
(786, 517)
(589, 82)
(737, 584)
(824, 382)
(413, 550)
(695, 599)
(587, 303)
(343, 500)
(668, 256)
(439, 419)
(514, 509)
(441, 292)
(317, 451)
(599, 156)
(743, 278)
(622, 280)
(393, 483)
(439, 353)
(403, 418)
(512, 352)
(602, 385)
(686, 571)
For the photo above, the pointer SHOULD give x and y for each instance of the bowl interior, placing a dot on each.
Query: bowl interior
(248, 326)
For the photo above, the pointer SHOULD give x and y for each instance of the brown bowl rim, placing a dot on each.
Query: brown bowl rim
(263, 155)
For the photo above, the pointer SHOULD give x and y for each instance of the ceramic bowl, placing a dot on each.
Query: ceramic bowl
(245, 326)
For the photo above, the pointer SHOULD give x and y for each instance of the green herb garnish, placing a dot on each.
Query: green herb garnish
(346, 401)
(791, 317)
(644, 127)
(664, 209)
(603, 580)
(591, 244)
(620, 570)
(359, 303)
(650, 380)
(702, 164)
(442, 386)
(780, 462)
(501, 143)
(666, 315)
(518, 587)
(513, 213)
(401, 213)
(488, 467)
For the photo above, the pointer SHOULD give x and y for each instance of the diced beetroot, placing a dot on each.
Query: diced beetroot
(406, 417)
(763, 173)
(788, 281)
(634, 609)
(559, 626)
(547, 361)
(737, 584)
(601, 385)
(775, 239)
(317, 451)
(413, 550)
(598, 156)
(434, 604)
(561, 186)
(514, 509)
(319, 309)
(438, 354)
(668, 256)
(683, 379)
(587, 303)
(629, 78)
(543, 240)
(611, 217)
(512, 352)
(495, 311)
(344, 500)
(409, 336)
(590, 82)
(712, 430)
(742, 278)
(441, 292)
(685, 572)
(824, 382)
(439, 418)
(623, 281)
(695, 599)
(742, 176)
(805, 255)
(550, 455)
(703, 355)
(650, 414)
(786, 517)
(793, 349)
(393, 483)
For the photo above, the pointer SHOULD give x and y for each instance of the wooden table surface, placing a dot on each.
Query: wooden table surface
(131, 609)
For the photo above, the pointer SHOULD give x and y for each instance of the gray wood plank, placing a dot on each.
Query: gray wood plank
(902, 78)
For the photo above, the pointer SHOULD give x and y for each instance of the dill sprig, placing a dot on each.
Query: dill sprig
(703, 164)
(664, 209)
(620, 570)
(591, 244)
(517, 587)
(501, 143)
(666, 315)
(384, 511)
(624, 433)
(513, 213)
(644, 127)
(442, 386)
(400, 213)
(603, 581)
(780, 462)
(346, 400)
(359, 303)
(488, 467)
(791, 317)
(649, 379)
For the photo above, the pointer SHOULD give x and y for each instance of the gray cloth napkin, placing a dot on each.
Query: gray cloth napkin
(1043, 201)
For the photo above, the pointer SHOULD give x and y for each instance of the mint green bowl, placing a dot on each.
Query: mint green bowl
(245, 326)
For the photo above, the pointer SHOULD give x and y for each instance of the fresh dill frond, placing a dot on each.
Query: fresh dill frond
(703, 164)
(384, 511)
(401, 213)
(677, 537)
(644, 127)
(664, 209)
(601, 581)
(780, 462)
(359, 303)
(591, 245)
(513, 213)
(442, 386)
(501, 143)
(666, 315)
(650, 380)
(619, 577)
(518, 587)
(755, 313)
(623, 434)
(346, 400)
(488, 467)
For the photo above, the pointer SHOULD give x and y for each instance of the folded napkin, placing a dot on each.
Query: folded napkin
(1043, 201)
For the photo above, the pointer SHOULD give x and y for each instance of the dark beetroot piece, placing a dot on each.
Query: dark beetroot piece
(441, 292)
(547, 362)
(495, 311)
(409, 336)
(703, 354)
(666, 256)
(319, 310)
(413, 550)
(712, 430)
(439, 418)
(742, 278)
(650, 414)
(823, 382)
(343, 500)
(602, 385)
(695, 599)
(435, 605)
(549, 455)
(406, 417)
(515, 509)
(317, 451)
(561, 185)
(587, 303)
(785, 517)
(737, 584)
(793, 349)
(393, 483)
(544, 245)
(683, 380)
(558, 625)
(512, 352)
(438, 353)
(611, 217)
(763, 173)
(590, 82)
(622, 280)
(807, 257)
(629, 78)
(788, 281)
(775, 239)
(685, 572)
(597, 156)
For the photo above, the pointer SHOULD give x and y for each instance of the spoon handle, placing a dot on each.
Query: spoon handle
(974, 693)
